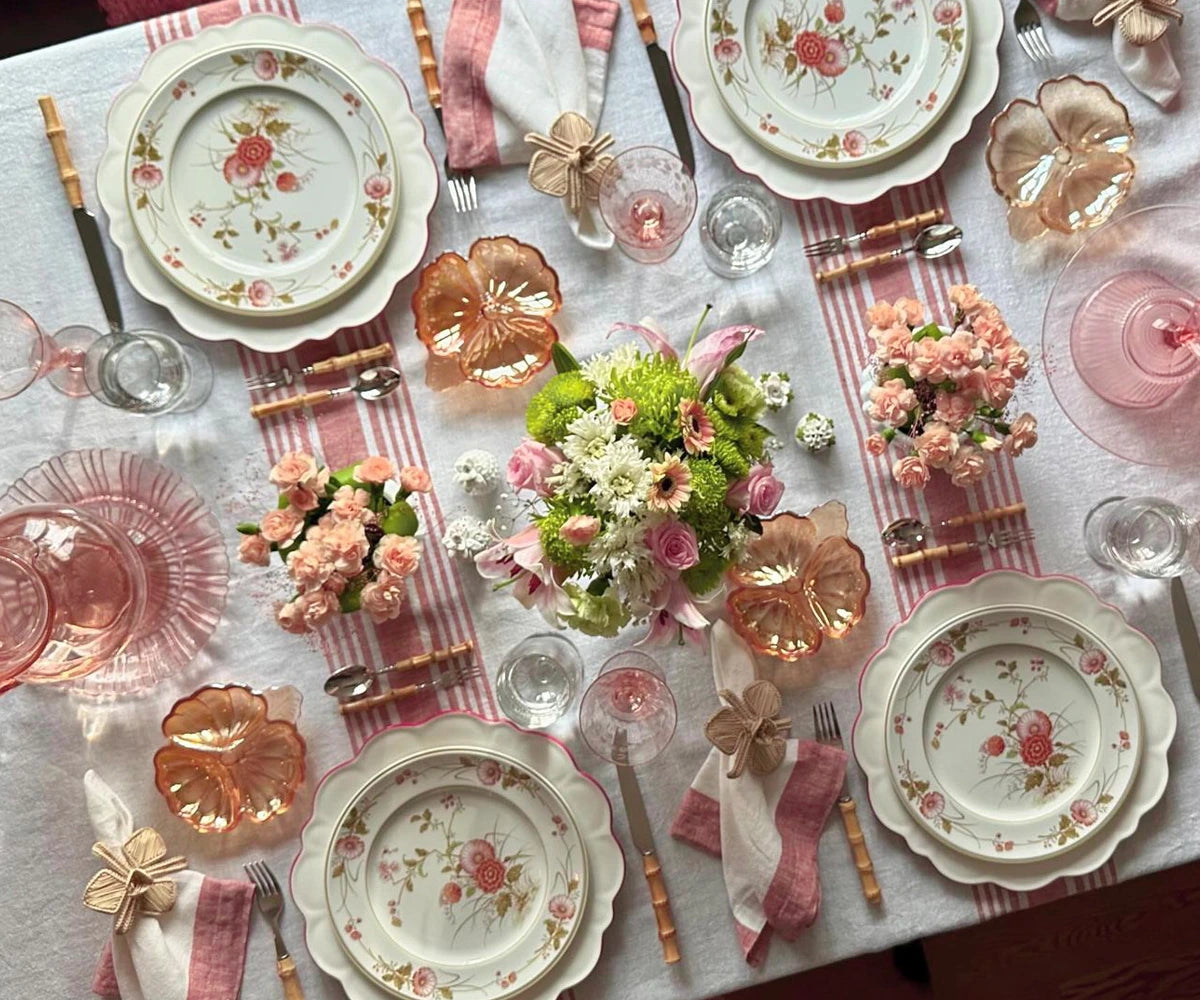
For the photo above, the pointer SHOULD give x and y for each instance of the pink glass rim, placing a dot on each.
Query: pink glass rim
(22, 315)
(653, 668)
(13, 565)
(658, 150)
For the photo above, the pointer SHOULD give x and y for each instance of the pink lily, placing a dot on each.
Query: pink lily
(520, 560)
(707, 359)
(675, 615)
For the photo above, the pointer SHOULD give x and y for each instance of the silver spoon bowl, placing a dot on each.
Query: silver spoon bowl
(936, 241)
(905, 534)
(350, 682)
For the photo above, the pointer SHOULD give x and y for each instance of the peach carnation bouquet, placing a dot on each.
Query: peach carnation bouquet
(346, 538)
(941, 396)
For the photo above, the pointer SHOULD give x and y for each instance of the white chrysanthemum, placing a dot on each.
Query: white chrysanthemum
(776, 389)
(467, 536)
(589, 436)
(477, 471)
(620, 552)
(600, 369)
(570, 479)
(737, 535)
(622, 478)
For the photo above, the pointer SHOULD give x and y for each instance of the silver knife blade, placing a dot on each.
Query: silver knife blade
(635, 809)
(669, 92)
(93, 248)
(1188, 638)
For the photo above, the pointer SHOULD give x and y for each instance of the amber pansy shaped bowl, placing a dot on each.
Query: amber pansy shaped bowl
(226, 760)
(801, 581)
(1061, 163)
(490, 311)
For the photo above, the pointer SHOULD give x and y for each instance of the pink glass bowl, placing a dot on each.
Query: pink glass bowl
(177, 539)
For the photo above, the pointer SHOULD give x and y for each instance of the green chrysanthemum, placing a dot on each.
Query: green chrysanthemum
(559, 401)
(562, 553)
(705, 510)
(706, 574)
(657, 385)
(729, 456)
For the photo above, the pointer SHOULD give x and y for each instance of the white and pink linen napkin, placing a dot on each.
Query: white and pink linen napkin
(510, 67)
(1151, 68)
(194, 951)
(765, 829)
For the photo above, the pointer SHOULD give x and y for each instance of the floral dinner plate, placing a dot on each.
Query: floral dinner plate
(458, 872)
(1014, 734)
(841, 82)
(261, 179)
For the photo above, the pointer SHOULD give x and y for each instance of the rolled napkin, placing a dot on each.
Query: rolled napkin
(1151, 68)
(764, 829)
(511, 67)
(194, 951)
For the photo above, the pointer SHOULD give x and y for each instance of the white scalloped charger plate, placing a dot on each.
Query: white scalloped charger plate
(540, 755)
(1068, 599)
(414, 199)
(848, 185)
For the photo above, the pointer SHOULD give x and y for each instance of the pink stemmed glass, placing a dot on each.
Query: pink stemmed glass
(648, 200)
(630, 695)
(27, 354)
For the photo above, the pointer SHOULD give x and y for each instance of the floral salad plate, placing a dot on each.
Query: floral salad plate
(261, 179)
(841, 82)
(1014, 734)
(459, 872)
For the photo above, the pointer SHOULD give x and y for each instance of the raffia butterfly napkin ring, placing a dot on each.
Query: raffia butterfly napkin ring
(134, 880)
(570, 161)
(749, 729)
(1140, 21)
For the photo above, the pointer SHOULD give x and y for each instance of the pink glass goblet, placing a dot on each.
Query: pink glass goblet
(630, 696)
(27, 354)
(648, 200)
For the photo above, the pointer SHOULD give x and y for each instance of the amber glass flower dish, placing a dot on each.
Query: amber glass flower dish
(226, 760)
(1061, 163)
(801, 581)
(490, 311)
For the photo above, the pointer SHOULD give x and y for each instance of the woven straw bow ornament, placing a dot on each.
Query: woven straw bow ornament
(134, 880)
(1140, 21)
(568, 163)
(750, 730)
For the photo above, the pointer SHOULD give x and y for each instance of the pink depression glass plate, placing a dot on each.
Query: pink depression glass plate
(1119, 338)
(178, 538)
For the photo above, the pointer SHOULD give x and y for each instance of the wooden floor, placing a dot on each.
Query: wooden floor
(1139, 940)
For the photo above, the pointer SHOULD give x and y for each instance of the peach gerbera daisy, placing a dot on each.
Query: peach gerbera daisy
(698, 433)
(672, 485)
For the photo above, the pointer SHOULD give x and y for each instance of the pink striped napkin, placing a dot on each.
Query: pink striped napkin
(194, 951)
(765, 830)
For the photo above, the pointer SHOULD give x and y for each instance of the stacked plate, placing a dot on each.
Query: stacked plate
(1014, 730)
(267, 182)
(841, 99)
(458, 858)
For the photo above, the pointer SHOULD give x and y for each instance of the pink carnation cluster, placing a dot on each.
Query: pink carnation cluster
(940, 394)
(332, 533)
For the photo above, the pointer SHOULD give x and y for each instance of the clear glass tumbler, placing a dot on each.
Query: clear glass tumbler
(740, 229)
(1145, 536)
(538, 679)
(630, 696)
(648, 200)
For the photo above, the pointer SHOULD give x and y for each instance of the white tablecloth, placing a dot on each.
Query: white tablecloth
(47, 740)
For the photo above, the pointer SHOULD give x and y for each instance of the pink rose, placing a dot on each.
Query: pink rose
(346, 546)
(810, 47)
(260, 294)
(265, 64)
(318, 607)
(294, 468)
(993, 746)
(876, 444)
(399, 555)
(451, 893)
(350, 504)
(955, 409)
(854, 143)
(941, 653)
(255, 550)
(579, 529)
(1092, 661)
(932, 804)
(1036, 750)
(969, 466)
(910, 311)
(377, 187)
(383, 598)
(281, 527)
(882, 315)
(758, 493)
(531, 465)
(290, 617)
(673, 545)
(309, 566)
(414, 479)
(240, 174)
(911, 472)
(623, 411)
(937, 444)
(965, 298)
(1084, 812)
(374, 469)
(424, 981)
(1022, 434)
(891, 402)
(960, 352)
(561, 907)
(146, 176)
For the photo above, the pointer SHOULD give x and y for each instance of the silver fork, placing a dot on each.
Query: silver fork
(456, 675)
(993, 540)
(1030, 34)
(285, 376)
(839, 244)
(460, 183)
(825, 724)
(270, 904)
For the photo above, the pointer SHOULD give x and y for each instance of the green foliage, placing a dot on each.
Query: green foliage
(705, 510)
(559, 402)
(706, 574)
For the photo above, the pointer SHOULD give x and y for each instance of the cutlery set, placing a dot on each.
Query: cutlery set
(934, 239)
(352, 684)
(905, 537)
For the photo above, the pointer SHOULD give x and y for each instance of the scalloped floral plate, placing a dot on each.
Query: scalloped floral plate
(458, 872)
(261, 180)
(837, 84)
(1014, 734)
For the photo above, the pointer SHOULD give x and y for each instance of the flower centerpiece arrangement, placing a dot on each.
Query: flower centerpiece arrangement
(941, 396)
(346, 538)
(646, 473)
